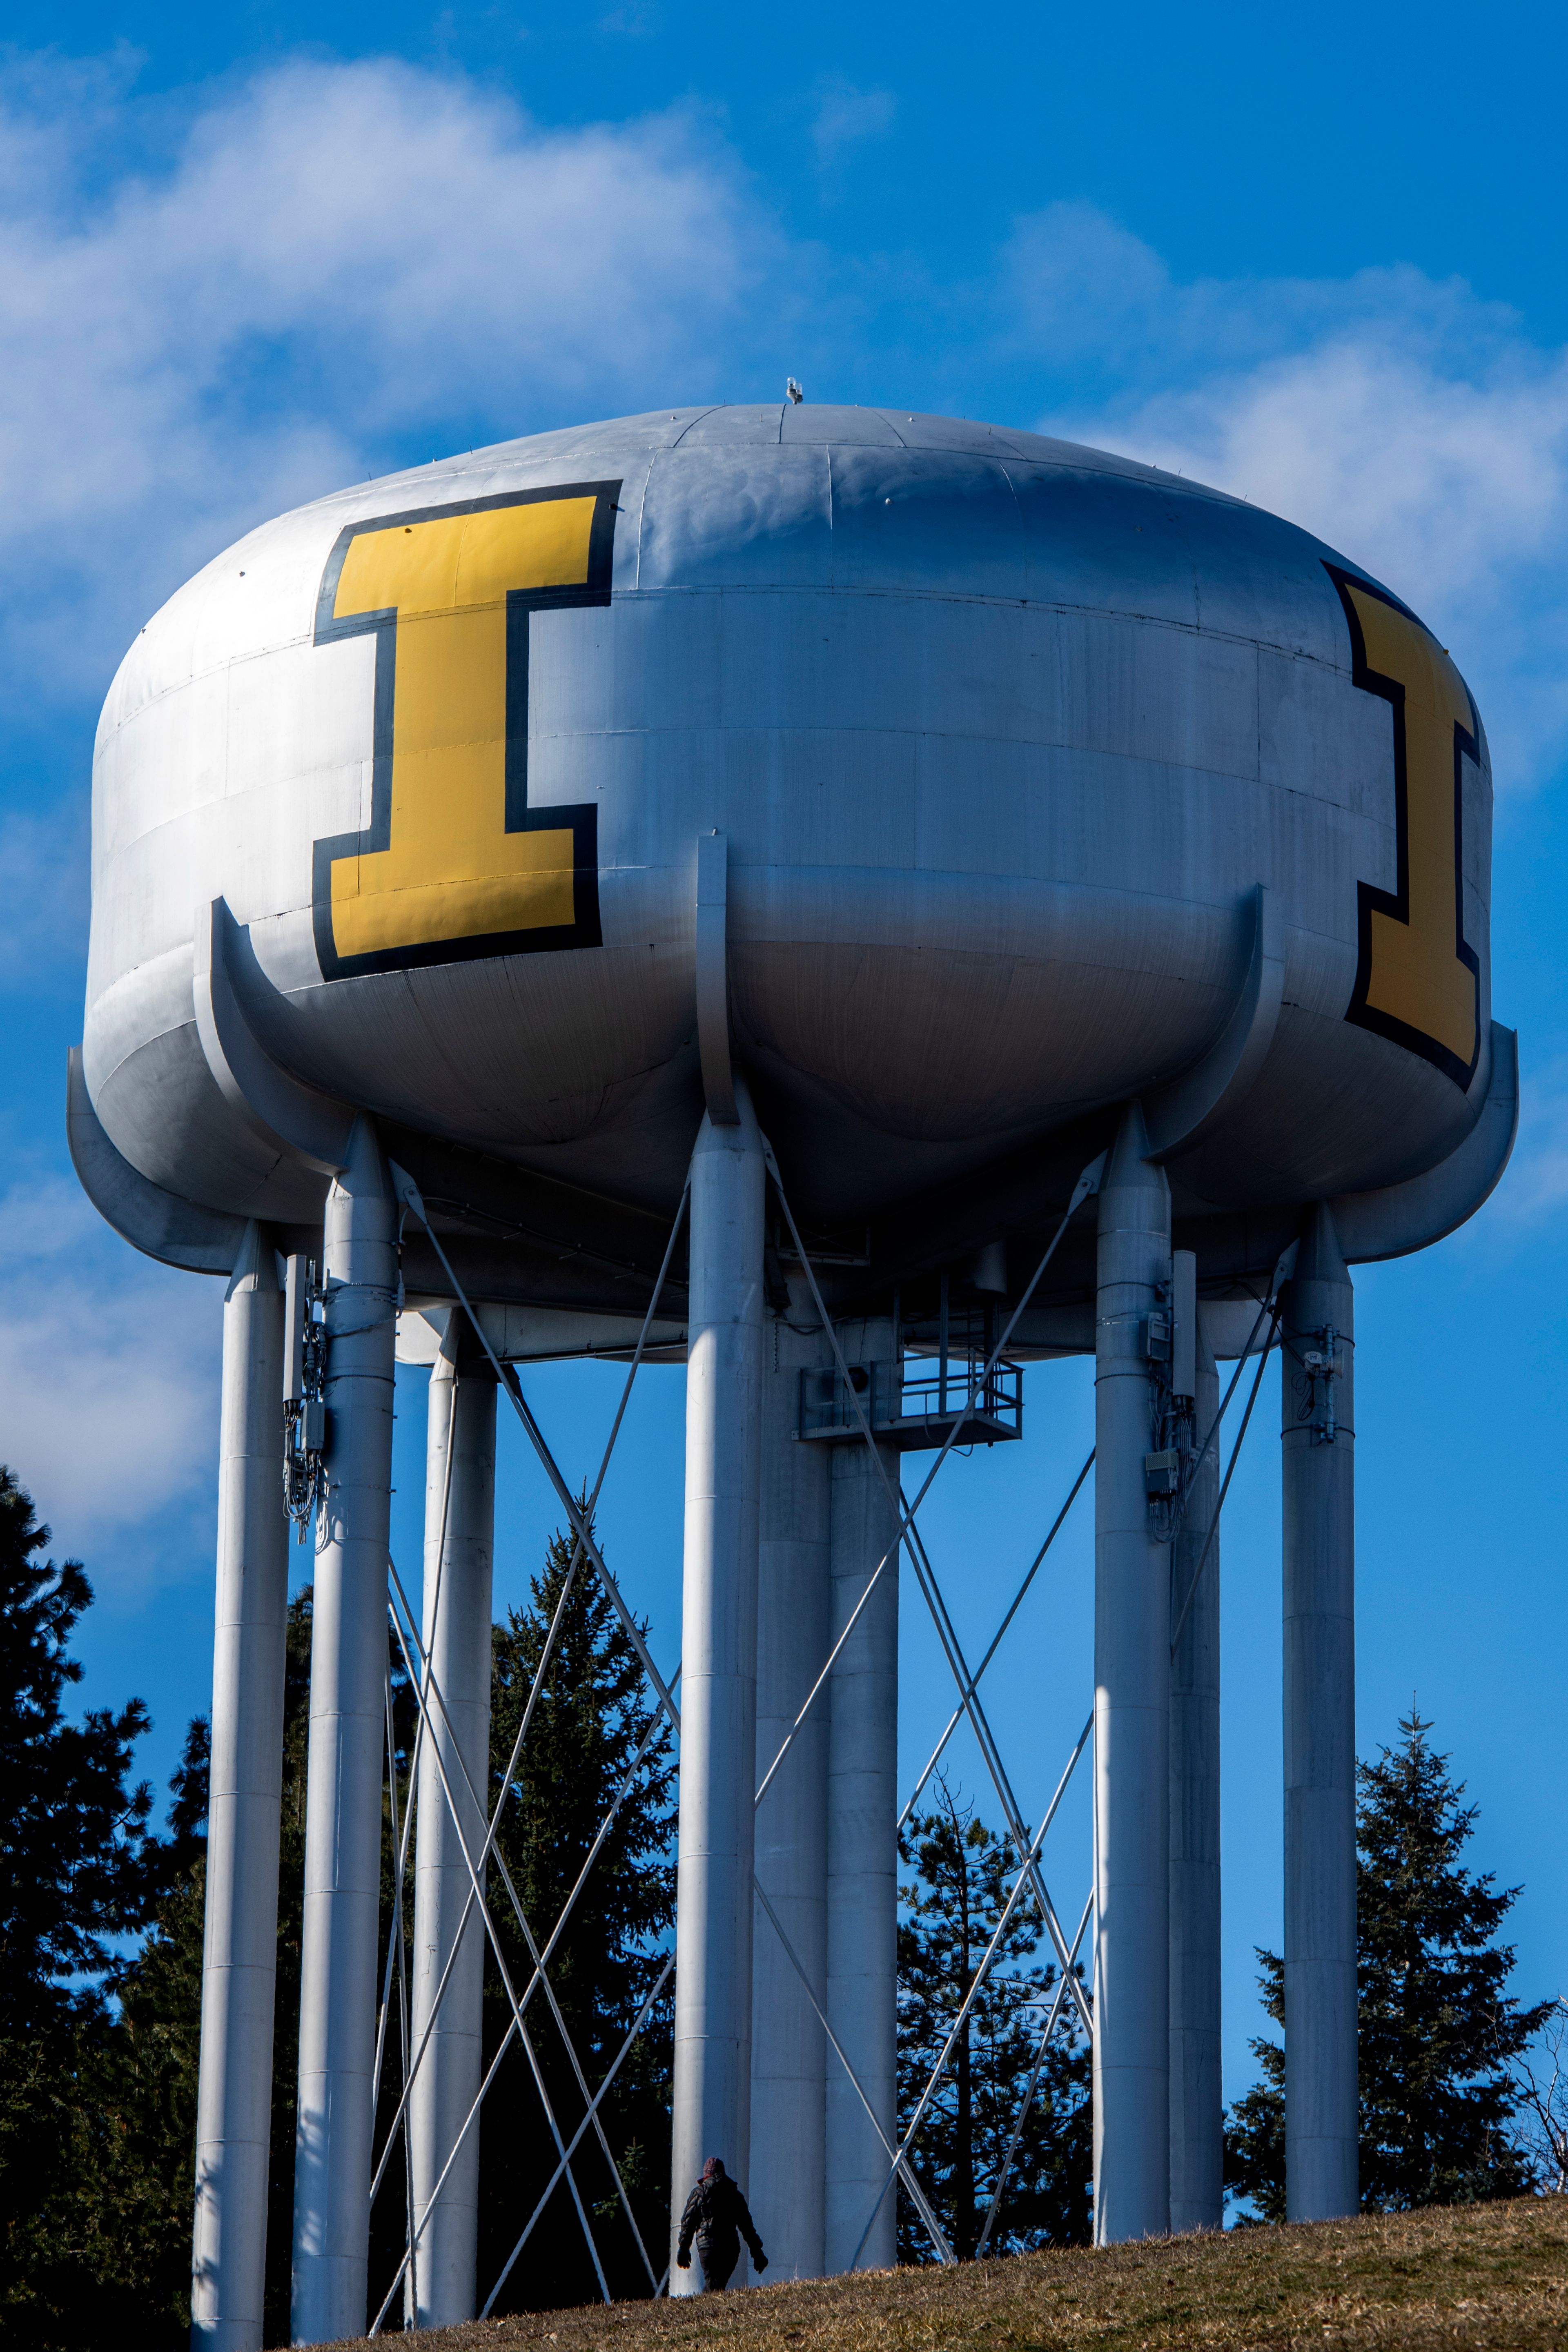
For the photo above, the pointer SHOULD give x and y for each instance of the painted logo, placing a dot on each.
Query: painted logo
(1417, 978)
(455, 864)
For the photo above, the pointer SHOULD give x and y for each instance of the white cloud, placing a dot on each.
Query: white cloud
(329, 259)
(108, 1376)
(1536, 1184)
(44, 874)
(1404, 421)
(847, 117)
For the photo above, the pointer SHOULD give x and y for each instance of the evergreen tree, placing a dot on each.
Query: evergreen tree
(79, 1871)
(964, 1873)
(138, 2089)
(1255, 2128)
(98, 2045)
(75, 1868)
(1437, 2030)
(593, 1717)
(285, 1999)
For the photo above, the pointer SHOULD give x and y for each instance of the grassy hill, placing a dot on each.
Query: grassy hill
(1482, 2275)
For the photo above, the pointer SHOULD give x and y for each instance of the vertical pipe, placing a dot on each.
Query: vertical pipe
(711, 2090)
(1318, 1435)
(459, 1550)
(1132, 1715)
(234, 2096)
(793, 1641)
(862, 1849)
(1197, 2110)
(348, 1727)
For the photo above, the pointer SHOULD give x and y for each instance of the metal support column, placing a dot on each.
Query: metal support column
(725, 1351)
(1318, 1433)
(862, 1847)
(239, 1960)
(460, 1550)
(348, 1728)
(1131, 1714)
(792, 1639)
(1197, 2106)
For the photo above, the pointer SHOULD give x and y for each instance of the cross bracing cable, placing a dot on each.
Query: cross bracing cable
(899, 2164)
(638, 2022)
(407, 1827)
(523, 2035)
(409, 1196)
(1225, 1488)
(540, 1977)
(957, 1716)
(397, 1945)
(490, 1839)
(1087, 1184)
(991, 1755)
(539, 1960)
(560, 1923)
(959, 2022)
(578, 1514)
(1029, 2088)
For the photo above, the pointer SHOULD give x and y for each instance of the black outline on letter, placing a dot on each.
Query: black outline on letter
(582, 819)
(1396, 903)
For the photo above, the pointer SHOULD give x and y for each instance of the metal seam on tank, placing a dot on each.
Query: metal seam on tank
(1000, 465)
(981, 599)
(142, 1044)
(690, 427)
(642, 516)
(1158, 485)
(906, 594)
(1167, 768)
(1165, 500)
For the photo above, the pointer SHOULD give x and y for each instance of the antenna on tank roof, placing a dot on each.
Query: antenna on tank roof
(794, 390)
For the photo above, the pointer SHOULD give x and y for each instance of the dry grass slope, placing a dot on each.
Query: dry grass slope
(1488, 2276)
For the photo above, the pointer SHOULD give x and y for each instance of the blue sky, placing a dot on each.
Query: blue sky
(246, 255)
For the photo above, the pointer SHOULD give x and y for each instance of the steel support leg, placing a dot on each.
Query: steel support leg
(711, 2091)
(1197, 2108)
(792, 1639)
(459, 1550)
(348, 1728)
(862, 1848)
(233, 2096)
(1319, 1436)
(1131, 1716)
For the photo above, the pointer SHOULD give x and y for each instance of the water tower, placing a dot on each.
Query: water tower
(896, 852)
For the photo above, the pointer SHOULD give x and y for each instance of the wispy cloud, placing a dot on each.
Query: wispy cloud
(108, 1376)
(1402, 420)
(315, 266)
(44, 876)
(847, 117)
(1536, 1185)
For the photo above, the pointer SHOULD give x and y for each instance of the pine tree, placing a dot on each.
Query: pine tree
(964, 1873)
(285, 1999)
(80, 1869)
(593, 1717)
(75, 1871)
(1437, 2028)
(137, 2085)
(98, 2099)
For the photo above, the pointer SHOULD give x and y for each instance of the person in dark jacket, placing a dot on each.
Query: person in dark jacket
(717, 2216)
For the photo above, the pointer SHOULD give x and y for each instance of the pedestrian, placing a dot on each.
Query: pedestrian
(717, 2216)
